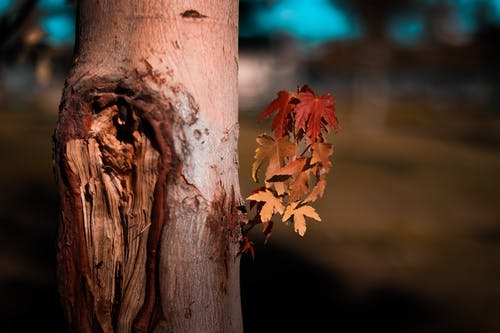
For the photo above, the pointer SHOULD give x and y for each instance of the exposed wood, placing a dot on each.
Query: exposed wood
(116, 190)
(145, 157)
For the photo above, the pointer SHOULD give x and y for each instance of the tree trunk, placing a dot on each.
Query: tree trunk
(146, 162)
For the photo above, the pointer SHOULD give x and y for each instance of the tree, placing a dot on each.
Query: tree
(145, 154)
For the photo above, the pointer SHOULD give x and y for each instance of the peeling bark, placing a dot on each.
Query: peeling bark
(146, 164)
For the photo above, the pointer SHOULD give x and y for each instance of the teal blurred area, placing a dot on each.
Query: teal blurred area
(410, 233)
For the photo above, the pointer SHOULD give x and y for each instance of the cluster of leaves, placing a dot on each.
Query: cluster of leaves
(294, 161)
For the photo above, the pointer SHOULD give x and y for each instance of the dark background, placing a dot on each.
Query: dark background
(410, 233)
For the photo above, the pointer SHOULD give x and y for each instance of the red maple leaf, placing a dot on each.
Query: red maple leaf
(314, 113)
(281, 123)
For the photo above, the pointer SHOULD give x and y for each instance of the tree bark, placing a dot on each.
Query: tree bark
(146, 162)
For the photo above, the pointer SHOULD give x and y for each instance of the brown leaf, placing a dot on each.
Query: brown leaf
(272, 204)
(300, 186)
(321, 151)
(317, 191)
(299, 221)
(291, 168)
(274, 153)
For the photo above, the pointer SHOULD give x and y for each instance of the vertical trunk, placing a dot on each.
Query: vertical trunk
(146, 162)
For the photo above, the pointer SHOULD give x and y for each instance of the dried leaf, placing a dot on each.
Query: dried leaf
(299, 118)
(317, 191)
(321, 151)
(274, 152)
(294, 167)
(300, 186)
(272, 204)
(299, 221)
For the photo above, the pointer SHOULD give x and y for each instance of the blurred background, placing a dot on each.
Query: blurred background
(410, 237)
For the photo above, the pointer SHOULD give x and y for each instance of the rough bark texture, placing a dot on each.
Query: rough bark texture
(146, 162)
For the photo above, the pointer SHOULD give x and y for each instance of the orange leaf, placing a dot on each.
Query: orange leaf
(300, 185)
(272, 204)
(299, 221)
(321, 151)
(294, 167)
(317, 191)
(274, 152)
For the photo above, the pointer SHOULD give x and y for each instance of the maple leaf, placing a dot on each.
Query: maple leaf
(268, 226)
(291, 168)
(321, 151)
(282, 122)
(253, 203)
(314, 113)
(292, 181)
(274, 152)
(272, 204)
(317, 191)
(300, 185)
(299, 221)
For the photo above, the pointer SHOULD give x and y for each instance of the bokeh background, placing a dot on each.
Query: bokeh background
(410, 237)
